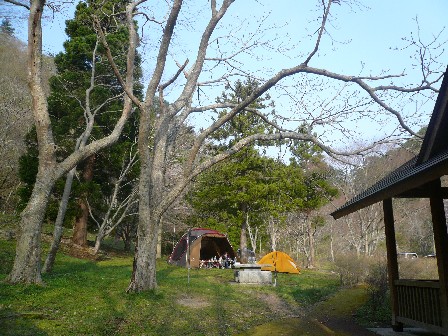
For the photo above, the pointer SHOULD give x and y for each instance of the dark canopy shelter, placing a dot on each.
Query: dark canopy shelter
(204, 245)
(417, 302)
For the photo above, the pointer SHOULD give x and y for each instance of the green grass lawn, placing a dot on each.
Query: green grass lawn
(88, 298)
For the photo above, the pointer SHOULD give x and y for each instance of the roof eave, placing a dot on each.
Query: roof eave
(416, 177)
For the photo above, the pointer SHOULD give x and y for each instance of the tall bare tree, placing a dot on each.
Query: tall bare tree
(160, 129)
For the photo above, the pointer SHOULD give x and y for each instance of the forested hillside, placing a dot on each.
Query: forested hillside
(15, 115)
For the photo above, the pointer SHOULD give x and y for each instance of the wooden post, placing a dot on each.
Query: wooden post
(392, 262)
(441, 244)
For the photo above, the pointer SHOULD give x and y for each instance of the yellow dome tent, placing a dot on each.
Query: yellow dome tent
(280, 262)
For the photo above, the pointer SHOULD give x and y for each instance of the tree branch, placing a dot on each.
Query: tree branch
(18, 3)
(321, 31)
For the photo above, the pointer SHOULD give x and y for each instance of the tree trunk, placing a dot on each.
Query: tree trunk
(366, 245)
(57, 233)
(150, 196)
(243, 237)
(311, 256)
(159, 242)
(127, 243)
(80, 227)
(144, 266)
(273, 233)
(331, 242)
(252, 235)
(27, 267)
(99, 239)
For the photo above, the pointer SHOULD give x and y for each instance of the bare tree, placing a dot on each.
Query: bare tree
(119, 208)
(364, 230)
(162, 127)
(90, 112)
(253, 234)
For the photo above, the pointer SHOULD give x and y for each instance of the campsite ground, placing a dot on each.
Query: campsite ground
(85, 296)
(332, 316)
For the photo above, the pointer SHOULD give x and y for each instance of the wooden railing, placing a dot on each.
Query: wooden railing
(419, 302)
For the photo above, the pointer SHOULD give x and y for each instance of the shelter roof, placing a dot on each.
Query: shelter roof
(410, 178)
(197, 232)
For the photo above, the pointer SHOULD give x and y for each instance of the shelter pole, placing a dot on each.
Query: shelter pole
(392, 262)
(188, 254)
(275, 270)
(441, 244)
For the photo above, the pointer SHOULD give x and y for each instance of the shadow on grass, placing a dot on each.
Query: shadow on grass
(309, 296)
(14, 323)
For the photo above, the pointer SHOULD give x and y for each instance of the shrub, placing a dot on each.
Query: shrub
(420, 268)
(378, 305)
(372, 272)
(351, 269)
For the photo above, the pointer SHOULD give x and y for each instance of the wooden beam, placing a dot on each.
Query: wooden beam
(411, 178)
(441, 244)
(392, 262)
(424, 192)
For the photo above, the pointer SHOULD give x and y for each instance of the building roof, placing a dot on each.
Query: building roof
(409, 179)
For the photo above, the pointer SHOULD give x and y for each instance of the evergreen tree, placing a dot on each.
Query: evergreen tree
(6, 27)
(85, 86)
(247, 122)
(244, 195)
(248, 187)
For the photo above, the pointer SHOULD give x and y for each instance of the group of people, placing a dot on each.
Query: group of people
(223, 261)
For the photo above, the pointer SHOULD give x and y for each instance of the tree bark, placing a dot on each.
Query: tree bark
(253, 236)
(80, 227)
(99, 238)
(57, 233)
(243, 236)
(27, 267)
(311, 256)
(159, 242)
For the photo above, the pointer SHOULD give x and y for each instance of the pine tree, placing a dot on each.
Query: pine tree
(238, 191)
(251, 188)
(6, 27)
(85, 84)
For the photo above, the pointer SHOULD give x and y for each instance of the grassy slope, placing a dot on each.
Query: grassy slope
(88, 298)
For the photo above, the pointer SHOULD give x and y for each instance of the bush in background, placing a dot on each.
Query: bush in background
(352, 269)
(377, 309)
(419, 268)
(371, 272)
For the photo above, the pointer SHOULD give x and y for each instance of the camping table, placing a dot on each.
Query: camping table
(252, 273)
(248, 266)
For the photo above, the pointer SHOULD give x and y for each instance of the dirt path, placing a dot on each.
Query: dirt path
(337, 313)
(331, 317)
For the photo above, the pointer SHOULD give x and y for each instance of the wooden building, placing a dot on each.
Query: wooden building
(421, 303)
